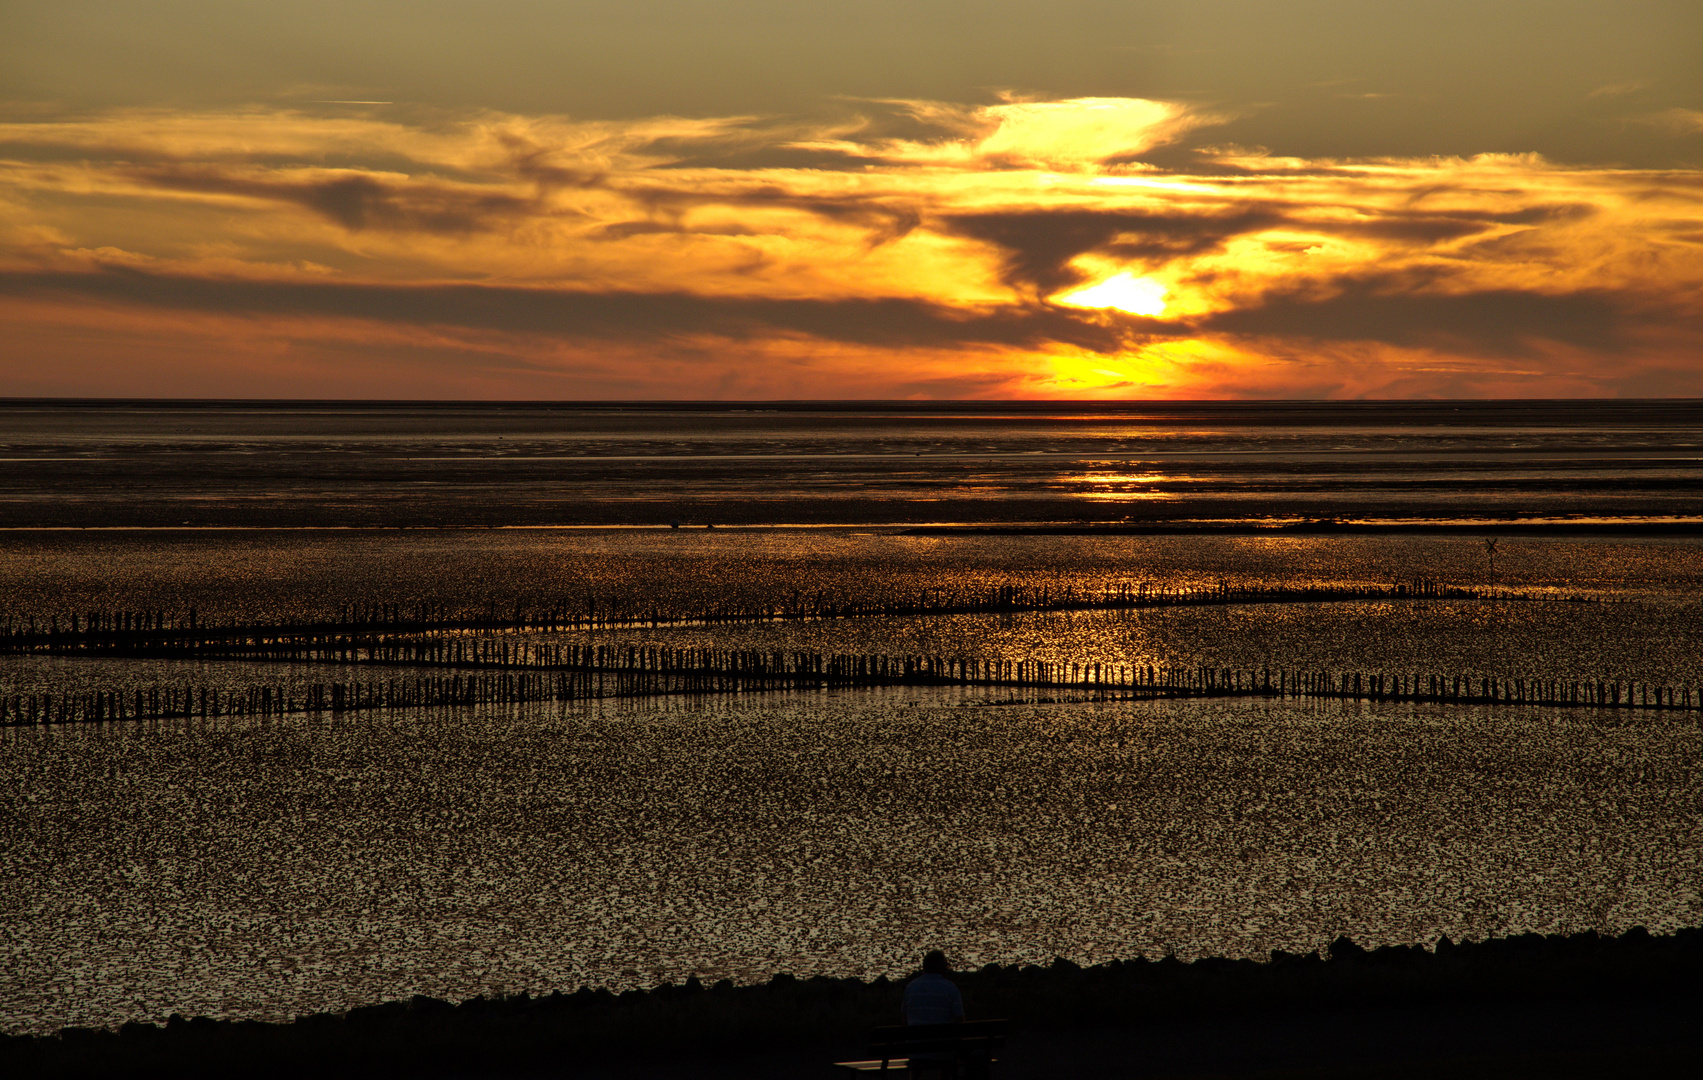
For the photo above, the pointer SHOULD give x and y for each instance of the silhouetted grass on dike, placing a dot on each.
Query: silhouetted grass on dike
(823, 1017)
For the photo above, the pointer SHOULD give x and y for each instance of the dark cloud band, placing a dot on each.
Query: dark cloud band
(883, 322)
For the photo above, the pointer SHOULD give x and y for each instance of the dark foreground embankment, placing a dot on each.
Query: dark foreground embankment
(1140, 1017)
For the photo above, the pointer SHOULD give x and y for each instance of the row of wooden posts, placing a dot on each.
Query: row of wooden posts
(605, 672)
(161, 632)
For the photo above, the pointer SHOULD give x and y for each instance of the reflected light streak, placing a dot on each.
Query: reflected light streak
(1106, 492)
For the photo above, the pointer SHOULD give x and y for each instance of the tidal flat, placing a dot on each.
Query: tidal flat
(308, 859)
(310, 862)
(269, 870)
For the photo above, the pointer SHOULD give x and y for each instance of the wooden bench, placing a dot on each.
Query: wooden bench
(970, 1045)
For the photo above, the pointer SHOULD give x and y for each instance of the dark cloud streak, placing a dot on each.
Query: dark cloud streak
(1492, 322)
(353, 200)
(1039, 246)
(887, 322)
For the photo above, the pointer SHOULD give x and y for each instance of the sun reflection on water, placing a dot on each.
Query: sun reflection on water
(1124, 486)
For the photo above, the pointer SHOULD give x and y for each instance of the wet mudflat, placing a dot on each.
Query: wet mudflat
(289, 574)
(319, 861)
(274, 869)
(1620, 610)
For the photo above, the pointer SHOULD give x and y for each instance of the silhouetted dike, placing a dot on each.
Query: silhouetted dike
(821, 1016)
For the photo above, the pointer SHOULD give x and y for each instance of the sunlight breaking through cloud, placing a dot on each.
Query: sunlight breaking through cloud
(1124, 291)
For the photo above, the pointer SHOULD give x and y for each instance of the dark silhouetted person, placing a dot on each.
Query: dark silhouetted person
(932, 998)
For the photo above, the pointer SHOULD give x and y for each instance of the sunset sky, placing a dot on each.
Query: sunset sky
(754, 199)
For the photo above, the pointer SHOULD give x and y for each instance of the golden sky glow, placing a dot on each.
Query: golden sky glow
(353, 245)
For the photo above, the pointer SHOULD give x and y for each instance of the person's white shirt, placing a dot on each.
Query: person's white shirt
(932, 999)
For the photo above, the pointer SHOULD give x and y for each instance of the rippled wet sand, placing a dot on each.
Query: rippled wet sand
(274, 869)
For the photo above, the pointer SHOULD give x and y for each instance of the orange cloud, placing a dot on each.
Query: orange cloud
(1027, 248)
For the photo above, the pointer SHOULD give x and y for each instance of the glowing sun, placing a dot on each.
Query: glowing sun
(1125, 291)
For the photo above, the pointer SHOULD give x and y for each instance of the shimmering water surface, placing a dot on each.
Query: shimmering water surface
(309, 863)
